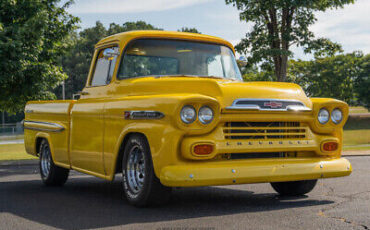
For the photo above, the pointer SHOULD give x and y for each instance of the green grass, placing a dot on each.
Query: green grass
(356, 137)
(357, 109)
(14, 152)
(356, 148)
(8, 138)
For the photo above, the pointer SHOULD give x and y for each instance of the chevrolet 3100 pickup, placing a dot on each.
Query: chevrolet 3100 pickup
(170, 109)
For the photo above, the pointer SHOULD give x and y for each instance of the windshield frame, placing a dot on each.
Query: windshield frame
(123, 53)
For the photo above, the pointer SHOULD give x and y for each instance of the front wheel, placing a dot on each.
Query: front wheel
(294, 188)
(140, 185)
(51, 174)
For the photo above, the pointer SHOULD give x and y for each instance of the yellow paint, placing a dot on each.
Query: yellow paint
(95, 126)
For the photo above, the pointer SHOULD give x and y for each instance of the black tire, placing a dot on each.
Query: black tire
(294, 188)
(147, 189)
(51, 175)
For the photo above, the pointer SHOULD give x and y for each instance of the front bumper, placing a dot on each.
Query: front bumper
(253, 171)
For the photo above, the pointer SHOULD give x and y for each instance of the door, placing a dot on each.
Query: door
(87, 118)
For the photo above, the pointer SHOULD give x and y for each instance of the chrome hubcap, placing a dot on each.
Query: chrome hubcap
(135, 169)
(45, 161)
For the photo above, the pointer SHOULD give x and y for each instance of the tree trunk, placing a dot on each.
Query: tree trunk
(284, 66)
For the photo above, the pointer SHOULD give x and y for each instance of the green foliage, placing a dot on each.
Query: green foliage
(129, 26)
(189, 30)
(333, 77)
(344, 77)
(76, 63)
(32, 37)
(279, 24)
(362, 83)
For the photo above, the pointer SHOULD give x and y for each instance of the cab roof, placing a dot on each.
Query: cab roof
(125, 37)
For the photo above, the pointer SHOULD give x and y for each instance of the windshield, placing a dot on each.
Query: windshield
(148, 57)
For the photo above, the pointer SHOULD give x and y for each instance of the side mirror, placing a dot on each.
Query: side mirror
(110, 53)
(242, 61)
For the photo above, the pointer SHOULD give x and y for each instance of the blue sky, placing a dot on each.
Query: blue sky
(348, 26)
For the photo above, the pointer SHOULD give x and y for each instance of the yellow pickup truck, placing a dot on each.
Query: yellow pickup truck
(170, 109)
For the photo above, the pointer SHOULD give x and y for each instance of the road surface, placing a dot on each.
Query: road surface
(89, 203)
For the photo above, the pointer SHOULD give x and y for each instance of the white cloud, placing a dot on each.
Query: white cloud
(348, 26)
(129, 6)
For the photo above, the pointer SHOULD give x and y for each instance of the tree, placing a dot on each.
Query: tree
(189, 30)
(333, 77)
(129, 26)
(32, 37)
(279, 24)
(362, 84)
(76, 62)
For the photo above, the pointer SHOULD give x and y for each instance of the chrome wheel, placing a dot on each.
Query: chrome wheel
(45, 161)
(135, 169)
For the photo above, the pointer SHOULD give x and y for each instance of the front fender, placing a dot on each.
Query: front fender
(163, 134)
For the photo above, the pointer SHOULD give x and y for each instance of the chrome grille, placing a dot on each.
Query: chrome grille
(264, 130)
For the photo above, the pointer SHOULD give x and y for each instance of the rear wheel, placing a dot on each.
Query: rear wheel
(51, 174)
(140, 185)
(294, 188)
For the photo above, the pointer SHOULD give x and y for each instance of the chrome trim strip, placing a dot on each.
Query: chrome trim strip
(299, 108)
(143, 114)
(266, 99)
(58, 127)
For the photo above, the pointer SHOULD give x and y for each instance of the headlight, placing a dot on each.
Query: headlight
(205, 115)
(336, 116)
(188, 114)
(323, 116)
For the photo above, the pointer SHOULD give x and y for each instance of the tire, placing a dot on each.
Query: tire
(294, 188)
(51, 175)
(140, 185)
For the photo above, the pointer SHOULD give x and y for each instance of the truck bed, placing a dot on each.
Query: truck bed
(49, 120)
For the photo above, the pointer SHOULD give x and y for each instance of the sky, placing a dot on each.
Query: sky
(348, 26)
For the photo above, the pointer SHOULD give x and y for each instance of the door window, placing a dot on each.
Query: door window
(104, 68)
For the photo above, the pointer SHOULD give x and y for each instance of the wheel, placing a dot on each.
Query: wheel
(51, 174)
(140, 185)
(294, 188)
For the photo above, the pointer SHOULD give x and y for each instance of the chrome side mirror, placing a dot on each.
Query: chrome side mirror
(110, 53)
(242, 61)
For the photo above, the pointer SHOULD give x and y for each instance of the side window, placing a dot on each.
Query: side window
(104, 68)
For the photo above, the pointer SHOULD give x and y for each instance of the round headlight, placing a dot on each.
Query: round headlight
(188, 114)
(205, 115)
(323, 116)
(336, 116)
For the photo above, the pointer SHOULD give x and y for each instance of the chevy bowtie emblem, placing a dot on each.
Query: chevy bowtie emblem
(273, 104)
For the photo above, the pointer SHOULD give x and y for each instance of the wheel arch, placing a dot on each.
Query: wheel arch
(118, 164)
(38, 139)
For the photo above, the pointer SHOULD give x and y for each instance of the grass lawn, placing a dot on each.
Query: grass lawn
(357, 109)
(7, 138)
(14, 152)
(356, 137)
(356, 147)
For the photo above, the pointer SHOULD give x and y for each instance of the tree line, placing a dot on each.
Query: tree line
(342, 76)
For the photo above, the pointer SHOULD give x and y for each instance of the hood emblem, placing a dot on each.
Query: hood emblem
(273, 104)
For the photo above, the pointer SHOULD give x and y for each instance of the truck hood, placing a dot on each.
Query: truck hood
(225, 91)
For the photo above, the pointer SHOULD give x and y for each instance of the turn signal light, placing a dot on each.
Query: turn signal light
(330, 146)
(203, 149)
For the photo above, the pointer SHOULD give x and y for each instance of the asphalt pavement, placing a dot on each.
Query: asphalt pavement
(86, 202)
